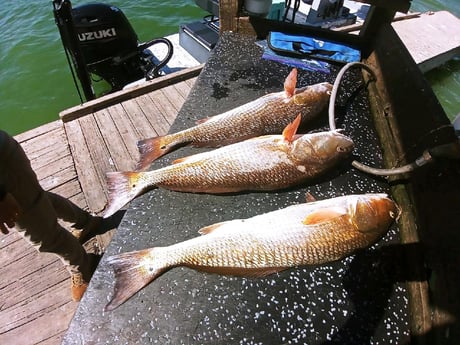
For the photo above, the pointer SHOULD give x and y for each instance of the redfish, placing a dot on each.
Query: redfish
(266, 115)
(264, 163)
(304, 234)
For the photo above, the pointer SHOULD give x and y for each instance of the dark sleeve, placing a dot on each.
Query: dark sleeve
(2, 192)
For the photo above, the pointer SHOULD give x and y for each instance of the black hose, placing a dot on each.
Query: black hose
(155, 71)
(449, 151)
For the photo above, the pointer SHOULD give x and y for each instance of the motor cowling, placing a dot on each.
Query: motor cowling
(109, 44)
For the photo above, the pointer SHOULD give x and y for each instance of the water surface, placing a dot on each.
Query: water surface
(35, 80)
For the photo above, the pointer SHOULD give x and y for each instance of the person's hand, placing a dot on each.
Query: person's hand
(9, 212)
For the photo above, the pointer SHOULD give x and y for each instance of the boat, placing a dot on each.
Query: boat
(105, 55)
(103, 51)
(415, 269)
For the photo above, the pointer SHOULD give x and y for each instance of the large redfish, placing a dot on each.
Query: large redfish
(264, 163)
(266, 115)
(304, 234)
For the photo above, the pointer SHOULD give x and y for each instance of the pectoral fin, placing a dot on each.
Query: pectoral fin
(210, 228)
(324, 215)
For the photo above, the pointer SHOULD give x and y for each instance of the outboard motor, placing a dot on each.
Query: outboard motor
(102, 44)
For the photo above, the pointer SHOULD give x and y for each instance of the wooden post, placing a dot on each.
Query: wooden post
(228, 14)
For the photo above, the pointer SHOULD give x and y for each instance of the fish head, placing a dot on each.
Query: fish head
(373, 213)
(320, 149)
(312, 95)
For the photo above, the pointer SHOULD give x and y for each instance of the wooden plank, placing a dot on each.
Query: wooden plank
(14, 251)
(120, 157)
(174, 95)
(27, 273)
(156, 117)
(123, 95)
(100, 158)
(400, 91)
(8, 239)
(182, 88)
(50, 161)
(190, 82)
(394, 5)
(85, 166)
(72, 191)
(52, 144)
(46, 128)
(127, 129)
(138, 110)
(47, 318)
(166, 109)
(432, 39)
(49, 181)
(228, 12)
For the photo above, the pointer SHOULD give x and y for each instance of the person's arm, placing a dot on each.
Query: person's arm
(9, 210)
(2, 192)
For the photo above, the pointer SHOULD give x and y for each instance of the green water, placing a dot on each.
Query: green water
(35, 81)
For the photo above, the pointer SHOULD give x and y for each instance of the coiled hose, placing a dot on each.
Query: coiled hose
(449, 151)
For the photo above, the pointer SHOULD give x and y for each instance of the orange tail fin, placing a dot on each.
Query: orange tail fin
(150, 150)
(123, 187)
(131, 275)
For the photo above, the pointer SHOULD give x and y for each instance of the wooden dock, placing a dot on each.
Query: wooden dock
(70, 157)
(432, 38)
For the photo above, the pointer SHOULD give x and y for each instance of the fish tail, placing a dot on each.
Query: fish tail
(132, 273)
(151, 149)
(123, 187)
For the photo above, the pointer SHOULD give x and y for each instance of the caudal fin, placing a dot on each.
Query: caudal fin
(150, 149)
(123, 187)
(132, 273)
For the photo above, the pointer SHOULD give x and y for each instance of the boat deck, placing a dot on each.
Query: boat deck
(70, 157)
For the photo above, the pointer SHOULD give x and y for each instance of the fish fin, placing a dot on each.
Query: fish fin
(150, 149)
(131, 275)
(291, 129)
(290, 83)
(323, 215)
(309, 197)
(203, 120)
(122, 187)
(181, 160)
(242, 272)
(210, 228)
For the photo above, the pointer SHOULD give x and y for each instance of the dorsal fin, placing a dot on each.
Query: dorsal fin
(290, 83)
(291, 129)
(324, 215)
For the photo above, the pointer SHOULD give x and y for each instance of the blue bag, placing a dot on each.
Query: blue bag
(303, 46)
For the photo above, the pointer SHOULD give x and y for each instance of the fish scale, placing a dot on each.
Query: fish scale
(281, 239)
(304, 234)
(268, 114)
(265, 163)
